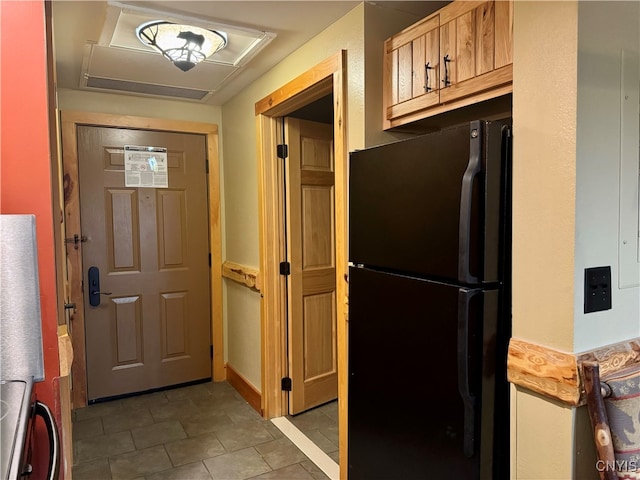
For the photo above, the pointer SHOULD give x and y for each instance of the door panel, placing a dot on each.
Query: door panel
(485, 37)
(152, 328)
(317, 216)
(417, 62)
(405, 72)
(504, 33)
(465, 47)
(432, 59)
(172, 229)
(313, 352)
(319, 312)
(173, 308)
(448, 69)
(128, 341)
(122, 221)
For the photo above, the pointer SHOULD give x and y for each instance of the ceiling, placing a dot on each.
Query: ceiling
(96, 47)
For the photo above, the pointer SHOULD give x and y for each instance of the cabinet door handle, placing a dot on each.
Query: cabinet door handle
(446, 80)
(427, 67)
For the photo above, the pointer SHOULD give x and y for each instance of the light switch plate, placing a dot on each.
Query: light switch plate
(597, 289)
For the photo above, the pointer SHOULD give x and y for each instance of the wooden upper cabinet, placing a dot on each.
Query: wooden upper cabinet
(460, 55)
(473, 61)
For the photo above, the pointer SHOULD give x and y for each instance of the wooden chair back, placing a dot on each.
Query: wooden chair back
(614, 410)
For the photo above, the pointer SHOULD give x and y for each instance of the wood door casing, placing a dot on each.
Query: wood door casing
(328, 76)
(153, 329)
(312, 320)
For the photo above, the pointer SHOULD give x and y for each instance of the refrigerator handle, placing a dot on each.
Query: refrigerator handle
(474, 167)
(468, 398)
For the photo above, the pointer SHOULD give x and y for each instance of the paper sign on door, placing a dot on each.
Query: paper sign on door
(145, 167)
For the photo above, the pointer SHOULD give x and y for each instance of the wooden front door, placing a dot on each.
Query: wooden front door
(151, 248)
(313, 361)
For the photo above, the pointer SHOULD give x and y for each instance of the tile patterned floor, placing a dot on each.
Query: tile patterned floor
(320, 425)
(205, 431)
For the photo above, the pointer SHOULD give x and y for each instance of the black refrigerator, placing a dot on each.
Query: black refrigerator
(430, 305)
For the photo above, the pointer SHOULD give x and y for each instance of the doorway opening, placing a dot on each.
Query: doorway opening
(325, 81)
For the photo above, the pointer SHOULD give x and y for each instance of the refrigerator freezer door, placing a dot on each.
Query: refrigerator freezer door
(429, 205)
(421, 378)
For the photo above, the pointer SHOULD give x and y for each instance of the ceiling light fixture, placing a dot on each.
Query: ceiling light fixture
(184, 45)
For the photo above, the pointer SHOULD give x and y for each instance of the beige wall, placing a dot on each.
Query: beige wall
(567, 170)
(91, 101)
(544, 443)
(544, 184)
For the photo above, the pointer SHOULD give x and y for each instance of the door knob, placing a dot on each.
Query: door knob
(94, 287)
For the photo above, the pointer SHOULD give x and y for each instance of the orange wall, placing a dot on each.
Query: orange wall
(25, 171)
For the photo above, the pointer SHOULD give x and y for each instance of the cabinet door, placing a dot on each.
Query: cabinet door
(424, 64)
(471, 61)
(412, 69)
(456, 57)
(504, 33)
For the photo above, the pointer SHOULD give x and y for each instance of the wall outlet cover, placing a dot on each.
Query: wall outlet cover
(597, 289)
